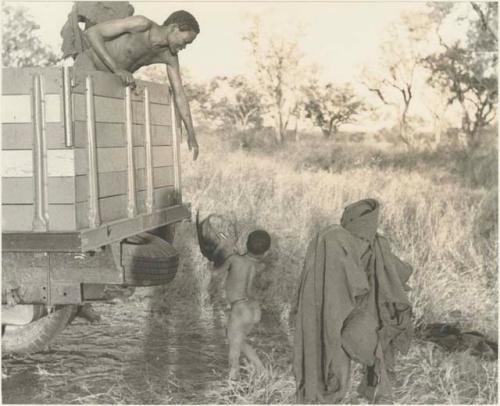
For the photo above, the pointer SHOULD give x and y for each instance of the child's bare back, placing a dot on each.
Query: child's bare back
(244, 309)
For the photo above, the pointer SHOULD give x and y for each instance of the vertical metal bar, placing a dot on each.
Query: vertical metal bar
(93, 213)
(68, 108)
(41, 209)
(176, 150)
(149, 153)
(131, 205)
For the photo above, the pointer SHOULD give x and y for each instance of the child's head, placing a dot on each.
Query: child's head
(258, 242)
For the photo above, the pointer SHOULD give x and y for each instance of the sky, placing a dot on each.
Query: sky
(337, 36)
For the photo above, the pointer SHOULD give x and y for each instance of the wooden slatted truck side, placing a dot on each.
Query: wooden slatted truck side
(91, 191)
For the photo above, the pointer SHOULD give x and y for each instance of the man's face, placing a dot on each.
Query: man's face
(178, 39)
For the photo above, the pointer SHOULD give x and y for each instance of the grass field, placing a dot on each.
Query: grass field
(433, 211)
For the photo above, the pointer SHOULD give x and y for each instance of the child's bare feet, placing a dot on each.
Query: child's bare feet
(234, 375)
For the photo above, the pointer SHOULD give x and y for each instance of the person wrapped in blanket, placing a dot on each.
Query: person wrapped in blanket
(352, 306)
(217, 240)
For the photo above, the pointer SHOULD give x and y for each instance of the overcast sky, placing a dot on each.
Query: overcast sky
(338, 36)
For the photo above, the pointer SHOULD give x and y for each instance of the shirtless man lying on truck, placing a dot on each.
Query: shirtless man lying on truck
(124, 45)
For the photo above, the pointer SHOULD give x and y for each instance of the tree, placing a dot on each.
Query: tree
(234, 102)
(393, 78)
(21, 46)
(329, 106)
(278, 66)
(468, 68)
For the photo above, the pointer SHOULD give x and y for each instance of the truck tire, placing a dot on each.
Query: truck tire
(165, 232)
(148, 260)
(36, 335)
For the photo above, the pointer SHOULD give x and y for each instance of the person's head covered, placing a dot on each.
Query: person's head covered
(258, 242)
(184, 20)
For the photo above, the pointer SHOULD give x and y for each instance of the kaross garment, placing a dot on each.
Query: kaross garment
(352, 305)
(90, 13)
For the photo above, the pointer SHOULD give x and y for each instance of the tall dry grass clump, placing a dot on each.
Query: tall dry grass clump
(430, 226)
(429, 217)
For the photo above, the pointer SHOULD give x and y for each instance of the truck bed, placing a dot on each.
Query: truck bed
(85, 161)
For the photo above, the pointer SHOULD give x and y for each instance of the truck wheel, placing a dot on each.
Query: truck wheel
(148, 260)
(166, 232)
(35, 336)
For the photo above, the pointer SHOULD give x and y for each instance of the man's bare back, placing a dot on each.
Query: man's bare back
(124, 45)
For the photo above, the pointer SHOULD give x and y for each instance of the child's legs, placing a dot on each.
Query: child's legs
(236, 337)
(252, 355)
(247, 315)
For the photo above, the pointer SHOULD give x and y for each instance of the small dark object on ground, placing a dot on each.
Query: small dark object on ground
(449, 337)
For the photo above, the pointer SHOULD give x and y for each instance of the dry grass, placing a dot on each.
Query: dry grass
(427, 213)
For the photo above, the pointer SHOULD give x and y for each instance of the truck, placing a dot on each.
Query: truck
(91, 194)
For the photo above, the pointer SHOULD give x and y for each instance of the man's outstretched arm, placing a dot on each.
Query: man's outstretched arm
(108, 30)
(182, 104)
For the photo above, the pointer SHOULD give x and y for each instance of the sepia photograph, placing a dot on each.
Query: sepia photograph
(249, 202)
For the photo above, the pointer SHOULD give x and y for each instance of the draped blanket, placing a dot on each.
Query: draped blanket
(90, 13)
(352, 305)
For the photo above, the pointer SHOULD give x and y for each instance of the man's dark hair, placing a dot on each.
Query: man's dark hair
(258, 242)
(184, 20)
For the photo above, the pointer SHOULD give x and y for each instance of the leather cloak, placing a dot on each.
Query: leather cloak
(352, 305)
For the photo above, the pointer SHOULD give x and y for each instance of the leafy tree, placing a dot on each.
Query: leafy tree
(234, 102)
(329, 106)
(21, 46)
(393, 78)
(278, 66)
(468, 68)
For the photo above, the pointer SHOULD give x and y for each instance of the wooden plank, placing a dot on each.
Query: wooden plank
(61, 190)
(137, 112)
(62, 217)
(20, 136)
(20, 190)
(161, 135)
(163, 176)
(162, 156)
(115, 183)
(17, 190)
(82, 215)
(19, 163)
(17, 217)
(138, 135)
(160, 114)
(60, 162)
(107, 109)
(115, 231)
(158, 93)
(20, 80)
(139, 157)
(140, 198)
(108, 160)
(16, 109)
(164, 197)
(40, 242)
(90, 239)
(107, 134)
(111, 184)
(111, 208)
(53, 108)
(105, 84)
(110, 85)
(20, 217)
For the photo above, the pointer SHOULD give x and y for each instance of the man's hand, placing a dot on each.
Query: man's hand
(126, 77)
(193, 144)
